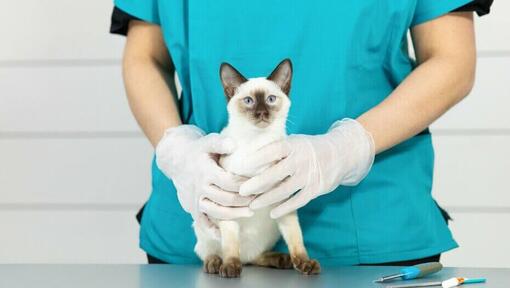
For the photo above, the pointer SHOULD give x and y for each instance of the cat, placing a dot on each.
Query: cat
(257, 110)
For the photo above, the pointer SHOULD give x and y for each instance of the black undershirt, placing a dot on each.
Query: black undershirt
(120, 19)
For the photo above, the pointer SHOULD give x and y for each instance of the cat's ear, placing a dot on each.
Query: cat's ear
(231, 79)
(282, 75)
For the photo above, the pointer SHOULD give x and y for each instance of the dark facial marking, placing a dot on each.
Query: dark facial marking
(261, 114)
(261, 108)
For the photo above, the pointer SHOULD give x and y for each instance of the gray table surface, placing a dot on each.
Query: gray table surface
(154, 276)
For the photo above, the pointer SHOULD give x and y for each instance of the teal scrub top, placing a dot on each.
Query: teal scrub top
(348, 56)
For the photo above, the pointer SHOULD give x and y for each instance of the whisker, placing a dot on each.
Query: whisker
(289, 120)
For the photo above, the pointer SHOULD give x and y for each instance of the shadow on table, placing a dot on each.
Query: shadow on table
(186, 276)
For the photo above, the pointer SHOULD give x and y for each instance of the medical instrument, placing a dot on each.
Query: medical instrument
(413, 272)
(450, 283)
(454, 282)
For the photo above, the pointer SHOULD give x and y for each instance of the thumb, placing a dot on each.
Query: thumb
(217, 144)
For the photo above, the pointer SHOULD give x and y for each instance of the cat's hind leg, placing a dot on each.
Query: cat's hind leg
(276, 260)
(291, 232)
(230, 245)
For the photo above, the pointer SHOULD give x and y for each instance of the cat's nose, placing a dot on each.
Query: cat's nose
(260, 114)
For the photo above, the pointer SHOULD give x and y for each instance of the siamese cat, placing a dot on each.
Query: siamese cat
(257, 110)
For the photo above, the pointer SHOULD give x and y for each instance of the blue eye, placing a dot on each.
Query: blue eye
(271, 99)
(248, 100)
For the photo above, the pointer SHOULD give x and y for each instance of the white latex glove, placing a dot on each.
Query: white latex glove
(311, 165)
(204, 189)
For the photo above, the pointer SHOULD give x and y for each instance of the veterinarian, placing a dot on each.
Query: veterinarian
(359, 154)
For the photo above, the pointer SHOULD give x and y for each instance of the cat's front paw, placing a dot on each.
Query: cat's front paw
(306, 266)
(212, 264)
(231, 268)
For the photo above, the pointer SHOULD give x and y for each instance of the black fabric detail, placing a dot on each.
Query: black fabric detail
(446, 216)
(139, 215)
(413, 262)
(481, 7)
(424, 132)
(153, 260)
(120, 21)
(434, 258)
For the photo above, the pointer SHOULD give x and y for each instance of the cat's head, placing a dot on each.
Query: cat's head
(261, 102)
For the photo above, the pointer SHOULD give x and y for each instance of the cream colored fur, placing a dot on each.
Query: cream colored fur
(248, 238)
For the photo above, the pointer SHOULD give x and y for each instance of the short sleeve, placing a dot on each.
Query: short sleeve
(146, 10)
(481, 7)
(120, 21)
(427, 10)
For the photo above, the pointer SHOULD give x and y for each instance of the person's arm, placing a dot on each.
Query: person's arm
(315, 165)
(446, 56)
(148, 77)
(183, 152)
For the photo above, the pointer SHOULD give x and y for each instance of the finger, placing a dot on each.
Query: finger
(225, 198)
(207, 225)
(267, 179)
(295, 202)
(268, 154)
(285, 189)
(217, 144)
(226, 180)
(223, 213)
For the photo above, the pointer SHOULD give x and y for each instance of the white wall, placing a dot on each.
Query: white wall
(472, 144)
(74, 167)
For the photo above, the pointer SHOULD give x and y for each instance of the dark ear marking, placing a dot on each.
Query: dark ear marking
(282, 75)
(231, 79)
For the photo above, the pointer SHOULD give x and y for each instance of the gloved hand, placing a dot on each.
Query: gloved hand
(189, 159)
(314, 165)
